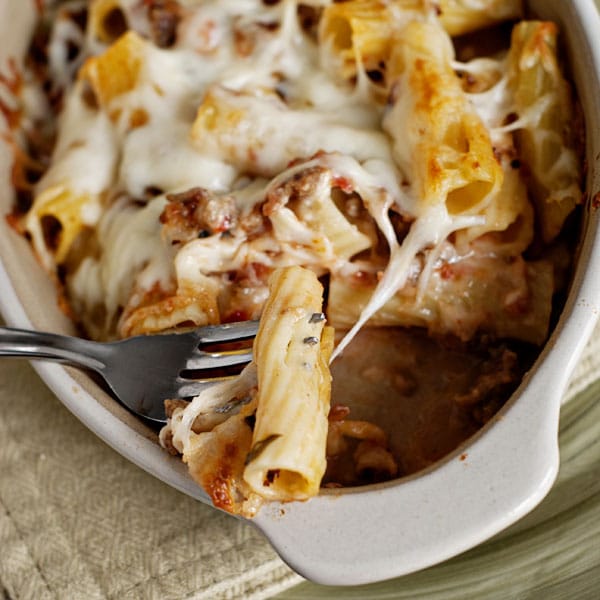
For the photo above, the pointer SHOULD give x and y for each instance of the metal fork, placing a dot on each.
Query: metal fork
(141, 371)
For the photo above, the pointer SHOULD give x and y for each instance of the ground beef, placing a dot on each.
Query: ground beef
(197, 213)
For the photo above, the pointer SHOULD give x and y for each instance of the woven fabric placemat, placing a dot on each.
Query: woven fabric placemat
(79, 521)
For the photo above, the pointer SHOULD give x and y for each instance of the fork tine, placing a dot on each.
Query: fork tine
(213, 360)
(213, 334)
(192, 387)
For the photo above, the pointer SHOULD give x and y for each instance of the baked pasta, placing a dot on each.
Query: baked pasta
(405, 173)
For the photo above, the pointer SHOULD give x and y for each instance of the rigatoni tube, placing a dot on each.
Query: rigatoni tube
(292, 349)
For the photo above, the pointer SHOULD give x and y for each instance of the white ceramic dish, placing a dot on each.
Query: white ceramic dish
(396, 528)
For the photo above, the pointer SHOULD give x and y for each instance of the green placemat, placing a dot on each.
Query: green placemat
(78, 521)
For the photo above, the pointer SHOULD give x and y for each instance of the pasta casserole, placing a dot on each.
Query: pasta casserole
(390, 186)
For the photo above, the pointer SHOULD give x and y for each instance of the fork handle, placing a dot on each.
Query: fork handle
(50, 346)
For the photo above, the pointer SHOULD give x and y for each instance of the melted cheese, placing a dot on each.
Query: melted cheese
(86, 152)
(317, 113)
(244, 101)
(293, 241)
(131, 253)
(431, 228)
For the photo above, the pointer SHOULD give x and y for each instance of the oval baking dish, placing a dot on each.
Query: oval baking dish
(360, 535)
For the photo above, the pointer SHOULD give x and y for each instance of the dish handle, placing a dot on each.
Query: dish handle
(370, 534)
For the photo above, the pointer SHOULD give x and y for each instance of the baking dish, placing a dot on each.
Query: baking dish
(382, 531)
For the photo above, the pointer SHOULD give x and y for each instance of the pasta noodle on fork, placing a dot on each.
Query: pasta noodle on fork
(292, 350)
(281, 455)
